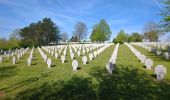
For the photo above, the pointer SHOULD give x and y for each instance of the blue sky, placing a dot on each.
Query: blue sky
(129, 15)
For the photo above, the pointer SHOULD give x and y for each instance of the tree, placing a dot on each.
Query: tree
(41, 33)
(80, 30)
(135, 37)
(65, 37)
(101, 32)
(165, 12)
(74, 39)
(14, 39)
(151, 32)
(121, 37)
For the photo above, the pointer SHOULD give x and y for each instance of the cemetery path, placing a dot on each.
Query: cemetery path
(125, 57)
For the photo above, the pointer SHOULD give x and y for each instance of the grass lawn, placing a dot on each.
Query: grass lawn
(128, 81)
(156, 60)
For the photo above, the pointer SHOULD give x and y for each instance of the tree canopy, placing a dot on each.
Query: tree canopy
(101, 32)
(123, 37)
(41, 33)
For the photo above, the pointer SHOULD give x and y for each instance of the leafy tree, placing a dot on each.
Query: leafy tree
(135, 37)
(121, 37)
(101, 32)
(80, 30)
(41, 33)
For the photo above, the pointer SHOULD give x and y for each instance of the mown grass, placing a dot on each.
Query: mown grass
(92, 82)
(156, 59)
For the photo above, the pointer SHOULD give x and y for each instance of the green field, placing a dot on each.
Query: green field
(130, 80)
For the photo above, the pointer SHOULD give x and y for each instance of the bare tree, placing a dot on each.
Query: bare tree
(65, 37)
(15, 34)
(151, 32)
(80, 30)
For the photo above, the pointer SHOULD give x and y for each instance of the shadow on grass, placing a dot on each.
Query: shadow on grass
(25, 82)
(7, 71)
(126, 83)
(75, 89)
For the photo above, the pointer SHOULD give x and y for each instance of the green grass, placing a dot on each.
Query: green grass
(156, 59)
(130, 80)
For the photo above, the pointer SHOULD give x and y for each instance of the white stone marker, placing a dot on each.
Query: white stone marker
(72, 55)
(13, 60)
(160, 72)
(18, 56)
(49, 62)
(158, 53)
(148, 63)
(110, 67)
(95, 53)
(1, 59)
(62, 58)
(29, 61)
(84, 59)
(78, 53)
(91, 56)
(166, 55)
(74, 65)
(56, 55)
(142, 58)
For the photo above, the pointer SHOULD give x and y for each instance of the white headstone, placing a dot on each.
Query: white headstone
(166, 55)
(158, 53)
(1, 59)
(13, 60)
(91, 56)
(148, 63)
(95, 53)
(49, 62)
(110, 67)
(74, 65)
(160, 72)
(78, 53)
(142, 58)
(84, 59)
(72, 55)
(18, 56)
(62, 58)
(56, 55)
(29, 61)
(45, 58)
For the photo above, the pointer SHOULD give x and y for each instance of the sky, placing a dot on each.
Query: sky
(129, 15)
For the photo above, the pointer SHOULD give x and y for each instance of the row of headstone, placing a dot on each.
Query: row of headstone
(160, 70)
(148, 62)
(30, 57)
(53, 51)
(112, 60)
(20, 54)
(10, 54)
(84, 48)
(45, 58)
(159, 48)
(100, 48)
